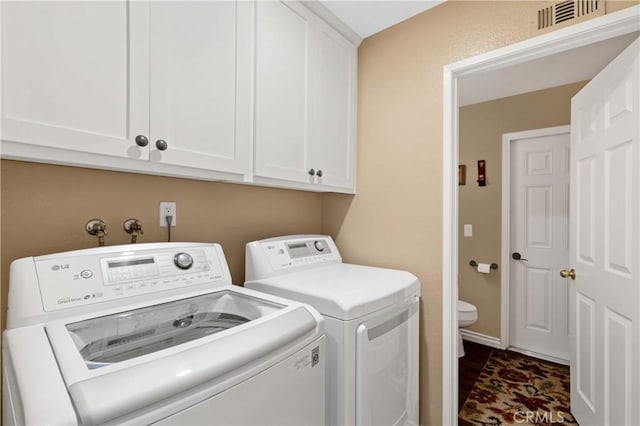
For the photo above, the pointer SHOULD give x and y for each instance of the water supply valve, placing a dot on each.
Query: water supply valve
(134, 227)
(98, 228)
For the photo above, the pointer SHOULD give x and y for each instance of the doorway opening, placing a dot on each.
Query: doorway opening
(539, 157)
(577, 53)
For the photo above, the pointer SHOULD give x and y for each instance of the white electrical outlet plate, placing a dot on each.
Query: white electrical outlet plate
(468, 230)
(168, 208)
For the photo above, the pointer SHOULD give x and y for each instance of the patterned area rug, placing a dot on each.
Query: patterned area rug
(515, 390)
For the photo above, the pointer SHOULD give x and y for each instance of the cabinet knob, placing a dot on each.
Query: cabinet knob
(142, 140)
(161, 145)
(319, 173)
(312, 172)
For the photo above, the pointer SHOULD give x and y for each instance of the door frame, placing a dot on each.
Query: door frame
(564, 39)
(505, 258)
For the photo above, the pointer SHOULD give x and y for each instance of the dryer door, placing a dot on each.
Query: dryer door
(387, 367)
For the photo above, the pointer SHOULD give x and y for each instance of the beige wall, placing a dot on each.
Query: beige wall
(481, 128)
(395, 220)
(45, 208)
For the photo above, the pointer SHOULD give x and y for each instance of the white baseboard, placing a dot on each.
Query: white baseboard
(540, 356)
(483, 339)
(494, 342)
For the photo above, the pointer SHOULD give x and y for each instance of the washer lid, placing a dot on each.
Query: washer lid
(114, 364)
(343, 291)
(125, 335)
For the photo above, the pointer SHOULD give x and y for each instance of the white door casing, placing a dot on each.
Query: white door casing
(604, 244)
(539, 199)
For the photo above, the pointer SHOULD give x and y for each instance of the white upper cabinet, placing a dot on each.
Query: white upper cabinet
(283, 32)
(333, 123)
(168, 82)
(75, 75)
(200, 84)
(305, 100)
(257, 92)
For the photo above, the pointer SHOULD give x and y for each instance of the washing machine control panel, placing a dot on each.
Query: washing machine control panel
(295, 253)
(91, 278)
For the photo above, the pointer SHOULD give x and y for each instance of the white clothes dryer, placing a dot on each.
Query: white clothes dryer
(371, 323)
(155, 334)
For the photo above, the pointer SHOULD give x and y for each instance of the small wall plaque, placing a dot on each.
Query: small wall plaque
(482, 176)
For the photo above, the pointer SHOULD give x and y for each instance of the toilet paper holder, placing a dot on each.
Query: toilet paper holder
(474, 264)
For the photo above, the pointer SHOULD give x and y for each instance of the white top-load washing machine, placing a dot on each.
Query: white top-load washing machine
(155, 334)
(371, 322)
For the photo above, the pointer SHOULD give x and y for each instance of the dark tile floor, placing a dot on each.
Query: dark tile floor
(469, 368)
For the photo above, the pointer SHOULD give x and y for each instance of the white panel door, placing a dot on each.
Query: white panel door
(200, 75)
(75, 75)
(283, 31)
(539, 215)
(332, 112)
(604, 245)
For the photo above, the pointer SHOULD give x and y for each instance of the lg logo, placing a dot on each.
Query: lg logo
(59, 267)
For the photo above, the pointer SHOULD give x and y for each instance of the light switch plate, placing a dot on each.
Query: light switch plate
(468, 230)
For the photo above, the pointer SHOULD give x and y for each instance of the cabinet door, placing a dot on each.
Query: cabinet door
(75, 75)
(200, 84)
(283, 31)
(332, 118)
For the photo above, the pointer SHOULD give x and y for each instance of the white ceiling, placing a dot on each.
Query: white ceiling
(367, 17)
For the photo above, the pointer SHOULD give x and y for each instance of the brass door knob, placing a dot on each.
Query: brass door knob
(571, 273)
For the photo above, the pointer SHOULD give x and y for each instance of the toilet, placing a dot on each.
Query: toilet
(467, 315)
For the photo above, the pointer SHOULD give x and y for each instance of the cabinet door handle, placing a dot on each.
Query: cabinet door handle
(141, 140)
(311, 172)
(161, 144)
(319, 173)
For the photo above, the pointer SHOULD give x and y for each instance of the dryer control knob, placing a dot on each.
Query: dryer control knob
(319, 245)
(183, 260)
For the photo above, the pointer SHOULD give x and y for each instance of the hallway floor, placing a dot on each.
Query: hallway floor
(504, 386)
(469, 368)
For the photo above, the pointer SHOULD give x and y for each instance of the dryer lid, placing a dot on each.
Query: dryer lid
(343, 291)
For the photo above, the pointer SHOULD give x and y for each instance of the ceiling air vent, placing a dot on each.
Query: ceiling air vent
(556, 15)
